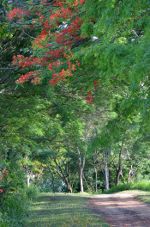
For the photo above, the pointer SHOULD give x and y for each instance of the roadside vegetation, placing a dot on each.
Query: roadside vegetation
(141, 185)
(15, 205)
(144, 197)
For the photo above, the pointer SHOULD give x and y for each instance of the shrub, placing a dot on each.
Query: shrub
(14, 209)
(142, 185)
(32, 192)
(3, 222)
(119, 187)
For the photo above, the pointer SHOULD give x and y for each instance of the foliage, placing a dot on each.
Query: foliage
(75, 95)
(51, 48)
(119, 188)
(141, 185)
(15, 206)
(14, 209)
(32, 192)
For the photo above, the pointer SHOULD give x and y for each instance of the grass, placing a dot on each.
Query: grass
(71, 210)
(62, 210)
(144, 196)
(142, 185)
(118, 188)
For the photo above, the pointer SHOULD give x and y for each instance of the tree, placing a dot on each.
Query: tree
(88, 58)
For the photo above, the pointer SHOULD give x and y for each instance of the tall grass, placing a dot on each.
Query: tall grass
(118, 188)
(14, 206)
(142, 185)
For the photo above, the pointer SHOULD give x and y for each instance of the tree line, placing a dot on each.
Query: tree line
(74, 94)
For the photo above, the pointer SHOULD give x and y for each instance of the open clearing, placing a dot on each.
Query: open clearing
(66, 210)
(63, 210)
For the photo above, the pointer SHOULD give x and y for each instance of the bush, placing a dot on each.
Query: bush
(118, 188)
(142, 185)
(32, 192)
(15, 206)
(3, 222)
(14, 209)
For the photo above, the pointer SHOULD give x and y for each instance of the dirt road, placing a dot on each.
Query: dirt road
(121, 210)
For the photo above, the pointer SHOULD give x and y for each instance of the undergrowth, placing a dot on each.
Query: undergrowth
(142, 185)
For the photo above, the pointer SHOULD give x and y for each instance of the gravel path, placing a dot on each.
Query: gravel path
(121, 210)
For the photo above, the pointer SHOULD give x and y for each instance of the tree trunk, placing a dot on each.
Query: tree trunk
(64, 177)
(118, 174)
(28, 180)
(95, 179)
(119, 167)
(69, 187)
(81, 179)
(106, 170)
(81, 170)
(131, 174)
(53, 185)
(66, 181)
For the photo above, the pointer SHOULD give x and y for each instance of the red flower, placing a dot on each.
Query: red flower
(25, 62)
(58, 3)
(1, 190)
(53, 82)
(17, 13)
(25, 77)
(54, 65)
(40, 38)
(89, 97)
(79, 2)
(57, 53)
(54, 43)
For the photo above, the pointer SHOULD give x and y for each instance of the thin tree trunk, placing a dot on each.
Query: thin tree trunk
(119, 167)
(69, 187)
(106, 170)
(81, 179)
(28, 180)
(81, 170)
(131, 174)
(53, 185)
(95, 179)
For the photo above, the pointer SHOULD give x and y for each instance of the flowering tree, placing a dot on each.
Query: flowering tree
(57, 27)
(57, 32)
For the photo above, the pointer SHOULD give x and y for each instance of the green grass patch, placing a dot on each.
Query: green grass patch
(62, 210)
(142, 185)
(144, 196)
(119, 188)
